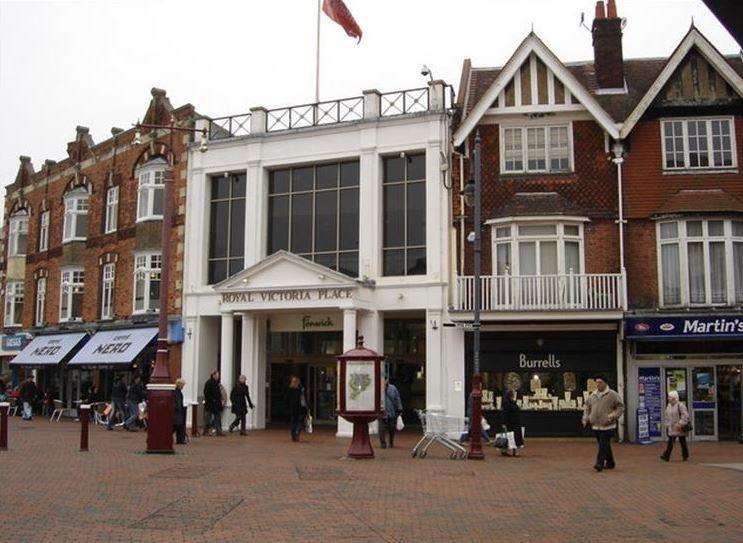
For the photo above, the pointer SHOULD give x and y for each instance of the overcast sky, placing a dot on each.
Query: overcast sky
(92, 63)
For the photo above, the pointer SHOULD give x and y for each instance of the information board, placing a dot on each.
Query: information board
(651, 396)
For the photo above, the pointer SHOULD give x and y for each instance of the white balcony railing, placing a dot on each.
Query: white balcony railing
(591, 292)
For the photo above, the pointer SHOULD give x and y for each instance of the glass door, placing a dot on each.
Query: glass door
(323, 381)
(729, 410)
(704, 403)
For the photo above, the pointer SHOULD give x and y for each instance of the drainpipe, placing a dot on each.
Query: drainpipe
(618, 150)
(462, 235)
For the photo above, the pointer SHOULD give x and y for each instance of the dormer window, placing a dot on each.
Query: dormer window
(151, 190)
(536, 149)
(698, 143)
(18, 234)
(75, 216)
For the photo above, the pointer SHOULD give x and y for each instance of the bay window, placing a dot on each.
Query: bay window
(526, 149)
(112, 210)
(698, 143)
(529, 249)
(151, 190)
(108, 274)
(40, 301)
(75, 216)
(13, 303)
(700, 262)
(147, 269)
(44, 230)
(72, 289)
(18, 234)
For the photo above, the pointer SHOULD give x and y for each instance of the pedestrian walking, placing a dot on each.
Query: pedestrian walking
(213, 404)
(3, 389)
(240, 400)
(297, 406)
(179, 413)
(677, 420)
(118, 402)
(29, 396)
(602, 411)
(392, 409)
(134, 396)
(512, 422)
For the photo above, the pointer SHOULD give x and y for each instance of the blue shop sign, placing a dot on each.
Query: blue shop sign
(686, 327)
(14, 342)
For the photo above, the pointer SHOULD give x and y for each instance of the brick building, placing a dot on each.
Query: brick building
(576, 159)
(83, 238)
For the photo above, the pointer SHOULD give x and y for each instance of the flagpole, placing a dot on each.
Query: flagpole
(317, 56)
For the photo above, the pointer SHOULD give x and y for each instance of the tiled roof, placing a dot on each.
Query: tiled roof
(524, 204)
(700, 201)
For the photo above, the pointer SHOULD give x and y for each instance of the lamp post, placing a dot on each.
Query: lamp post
(473, 198)
(160, 388)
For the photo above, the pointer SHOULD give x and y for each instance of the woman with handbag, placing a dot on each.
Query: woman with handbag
(512, 422)
(677, 425)
(297, 406)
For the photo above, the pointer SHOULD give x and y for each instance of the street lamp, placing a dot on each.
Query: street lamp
(160, 389)
(473, 198)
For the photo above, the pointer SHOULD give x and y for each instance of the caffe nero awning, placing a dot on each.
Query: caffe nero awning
(114, 347)
(49, 350)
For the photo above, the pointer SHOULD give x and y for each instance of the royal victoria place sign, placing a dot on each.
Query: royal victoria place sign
(287, 296)
(691, 327)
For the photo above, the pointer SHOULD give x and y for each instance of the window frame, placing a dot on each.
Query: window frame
(211, 178)
(44, 224)
(111, 211)
(12, 315)
(147, 176)
(685, 138)
(74, 273)
(546, 128)
(147, 270)
(682, 241)
(108, 285)
(73, 213)
(17, 226)
(40, 302)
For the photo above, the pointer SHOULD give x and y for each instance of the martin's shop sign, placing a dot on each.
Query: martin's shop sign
(686, 327)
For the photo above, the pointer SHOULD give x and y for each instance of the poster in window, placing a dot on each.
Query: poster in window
(360, 385)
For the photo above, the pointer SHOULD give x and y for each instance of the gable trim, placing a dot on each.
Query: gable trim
(710, 53)
(532, 44)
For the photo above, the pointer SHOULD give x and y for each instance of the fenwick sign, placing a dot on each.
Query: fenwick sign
(290, 295)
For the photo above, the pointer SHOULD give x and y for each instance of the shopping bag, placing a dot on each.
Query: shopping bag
(399, 425)
(505, 440)
(308, 423)
(485, 425)
(107, 410)
(142, 410)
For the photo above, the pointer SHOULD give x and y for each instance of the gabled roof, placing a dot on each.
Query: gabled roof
(531, 44)
(700, 201)
(693, 38)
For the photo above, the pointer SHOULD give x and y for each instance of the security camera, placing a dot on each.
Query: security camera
(425, 71)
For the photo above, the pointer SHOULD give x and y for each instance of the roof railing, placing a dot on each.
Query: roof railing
(231, 126)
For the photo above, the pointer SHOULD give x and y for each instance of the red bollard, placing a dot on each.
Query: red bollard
(195, 419)
(84, 420)
(4, 406)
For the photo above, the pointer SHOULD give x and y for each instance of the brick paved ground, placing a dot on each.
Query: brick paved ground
(264, 488)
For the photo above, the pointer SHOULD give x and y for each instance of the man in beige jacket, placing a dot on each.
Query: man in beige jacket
(602, 411)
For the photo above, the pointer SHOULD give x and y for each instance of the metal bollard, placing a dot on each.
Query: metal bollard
(84, 426)
(195, 419)
(4, 407)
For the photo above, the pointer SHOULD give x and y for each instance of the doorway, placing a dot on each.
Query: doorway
(729, 408)
(704, 403)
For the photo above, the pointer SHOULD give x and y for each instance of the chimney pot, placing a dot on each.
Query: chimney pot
(25, 159)
(157, 92)
(600, 12)
(611, 10)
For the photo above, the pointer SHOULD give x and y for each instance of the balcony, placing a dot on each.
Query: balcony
(597, 292)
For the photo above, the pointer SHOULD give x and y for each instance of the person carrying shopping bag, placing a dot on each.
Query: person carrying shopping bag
(512, 420)
(677, 423)
(392, 410)
(240, 400)
(297, 406)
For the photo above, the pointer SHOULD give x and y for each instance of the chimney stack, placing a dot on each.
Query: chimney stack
(607, 47)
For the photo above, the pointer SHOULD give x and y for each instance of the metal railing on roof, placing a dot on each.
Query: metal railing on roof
(231, 126)
(402, 102)
(315, 114)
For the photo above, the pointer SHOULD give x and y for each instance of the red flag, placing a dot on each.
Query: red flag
(337, 10)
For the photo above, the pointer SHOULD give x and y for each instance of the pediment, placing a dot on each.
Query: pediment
(285, 270)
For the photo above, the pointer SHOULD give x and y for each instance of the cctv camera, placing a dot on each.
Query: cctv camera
(425, 71)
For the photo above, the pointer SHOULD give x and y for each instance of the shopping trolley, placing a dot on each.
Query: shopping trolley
(443, 429)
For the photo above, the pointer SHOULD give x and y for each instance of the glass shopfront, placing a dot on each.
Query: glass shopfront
(405, 352)
(550, 373)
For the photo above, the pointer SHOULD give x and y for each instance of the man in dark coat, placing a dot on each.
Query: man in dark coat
(179, 413)
(134, 396)
(297, 406)
(118, 399)
(240, 400)
(213, 403)
(29, 395)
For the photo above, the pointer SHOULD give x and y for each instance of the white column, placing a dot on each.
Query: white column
(370, 207)
(253, 366)
(620, 382)
(435, 370)
(226, 362)
(453, 338)
(345, 428)
(371, 326)
(189, 365)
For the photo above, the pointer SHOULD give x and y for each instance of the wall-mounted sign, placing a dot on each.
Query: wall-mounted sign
(306, 322)
(14, 342)
(675, 327)
(289, 295)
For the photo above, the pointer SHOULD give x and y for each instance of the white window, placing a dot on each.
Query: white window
(151, 191)
(75, 216)
(108, 274)
(147, 269)
(530, 249)
(44, 230)
(13, 303)
(112, 209)
(18, 234)
(698, 143)
(700, 262)
(536, 149)
(40, 301)
(71, 293)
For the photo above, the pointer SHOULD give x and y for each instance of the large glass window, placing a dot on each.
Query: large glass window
(313, 211)
(108, 274)
(44, 230)
(151, 190)
(226, 226)
(698, 143)
(13, 303)
(404, 219)
(72, 289)
(18, 234)
(701, 262)
(536, 149)
(147, 269)
(112, 209)
(40, 301)
(75, 215)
